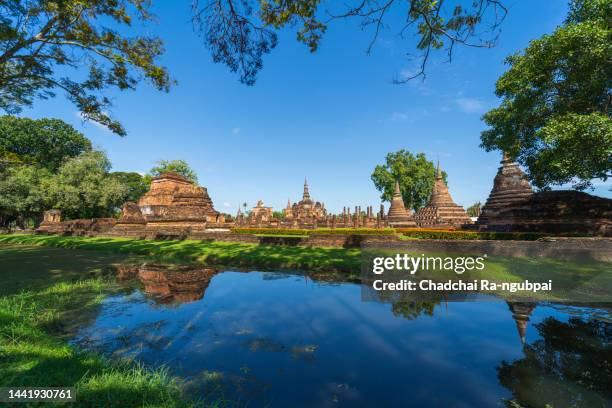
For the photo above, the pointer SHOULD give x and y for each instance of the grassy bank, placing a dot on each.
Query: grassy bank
(33, 354)
(219, 253)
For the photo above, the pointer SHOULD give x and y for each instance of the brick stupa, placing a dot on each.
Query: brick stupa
(441, 211)
(174, 199)
(131, 223)
(398, 216)
(173, 206)
(509, 187)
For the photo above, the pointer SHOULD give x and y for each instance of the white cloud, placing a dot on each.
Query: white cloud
(226, 205)
(471, 105)
(397, 116)
(235, 130)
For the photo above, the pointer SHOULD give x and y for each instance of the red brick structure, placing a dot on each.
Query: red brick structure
(399, 216)
(441, 211)
(173, 207)
(514, 206)
(510, 186)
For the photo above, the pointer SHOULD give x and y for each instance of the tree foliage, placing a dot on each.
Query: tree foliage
(22, 194)
(83, 187)
(474, 209)
(136, 185)
(43, 143)
(554, 117)
(416, 176)
(177, 166)
(239, 34)
(44, 41)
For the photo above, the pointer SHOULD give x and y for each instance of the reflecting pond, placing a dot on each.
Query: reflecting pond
(290, 339)
(283, 339)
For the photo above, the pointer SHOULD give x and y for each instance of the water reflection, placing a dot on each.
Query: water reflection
(521, 312)
(281, 339)
(169, 283)
(569, 366)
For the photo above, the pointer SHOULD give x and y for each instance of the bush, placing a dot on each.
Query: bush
(323, 231)
(402, 230)
(473, 235)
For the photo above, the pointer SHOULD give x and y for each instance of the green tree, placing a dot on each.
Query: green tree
(177, 166)
(474, 209)
(239, 35)
(44, 41)
(554, 117)
(43, 142)
(136, 184)
(23, 196)
(83, 187)
(415, 174)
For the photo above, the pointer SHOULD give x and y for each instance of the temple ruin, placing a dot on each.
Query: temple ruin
(173, 206)
(510, 186)
(441, 211)
(399, 216)
(514, 206)
(305, 211)
(260, 213)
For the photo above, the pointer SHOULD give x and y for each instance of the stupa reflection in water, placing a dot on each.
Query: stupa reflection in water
(188, 283)
(176, 283)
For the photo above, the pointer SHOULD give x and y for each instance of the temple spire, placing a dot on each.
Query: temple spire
(438, 172)
(306, 195)
(398, 215)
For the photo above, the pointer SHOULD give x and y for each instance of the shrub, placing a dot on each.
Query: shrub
(473, 235)
(323, 231)
(402, 230)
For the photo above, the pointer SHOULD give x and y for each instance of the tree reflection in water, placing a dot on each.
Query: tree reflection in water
(570, 366)
(412, 309)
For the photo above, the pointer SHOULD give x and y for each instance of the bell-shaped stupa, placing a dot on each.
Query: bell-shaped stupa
(441, 211)
(510, 187)
(398, 216)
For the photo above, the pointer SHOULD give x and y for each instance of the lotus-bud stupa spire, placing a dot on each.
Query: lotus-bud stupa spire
(306, 195)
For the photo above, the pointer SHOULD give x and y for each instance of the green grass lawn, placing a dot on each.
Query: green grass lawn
(574, 280)
(212, 253)
(64, 291)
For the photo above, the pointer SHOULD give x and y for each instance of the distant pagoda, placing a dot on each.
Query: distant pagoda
(306, 208)
(509, 187)
(441, 210)
(398, 215)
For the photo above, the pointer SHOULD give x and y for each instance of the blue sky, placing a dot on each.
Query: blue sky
(331, 116)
